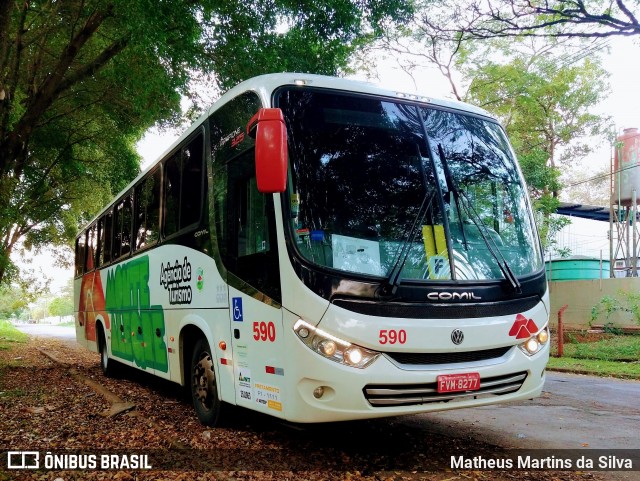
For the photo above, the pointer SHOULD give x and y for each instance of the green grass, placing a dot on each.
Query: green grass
(9, 334)
(11, 393)
(617, 348)
(618, 356)
(623, 370)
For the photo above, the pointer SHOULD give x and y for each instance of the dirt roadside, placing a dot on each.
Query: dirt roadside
(47, 406)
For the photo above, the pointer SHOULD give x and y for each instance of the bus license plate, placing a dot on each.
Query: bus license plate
(469, 381)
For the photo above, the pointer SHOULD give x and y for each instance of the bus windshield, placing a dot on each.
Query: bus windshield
(378, 186)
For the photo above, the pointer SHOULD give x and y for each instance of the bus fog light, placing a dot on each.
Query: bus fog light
(318, 392)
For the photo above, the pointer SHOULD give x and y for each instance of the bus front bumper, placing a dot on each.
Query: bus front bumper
(327, 391)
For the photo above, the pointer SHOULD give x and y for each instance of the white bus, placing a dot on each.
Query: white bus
(320, 249)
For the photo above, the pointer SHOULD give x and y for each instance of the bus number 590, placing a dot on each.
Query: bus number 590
(391, 336)
(263, 331)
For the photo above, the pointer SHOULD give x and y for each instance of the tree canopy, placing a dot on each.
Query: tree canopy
(546, 108)
(543, 91)
(81, 80)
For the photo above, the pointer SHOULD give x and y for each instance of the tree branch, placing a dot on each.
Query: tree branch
(52, 86)
(562, 18)
(91, 68)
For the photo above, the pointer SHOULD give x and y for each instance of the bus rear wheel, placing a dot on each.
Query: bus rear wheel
(204, 389)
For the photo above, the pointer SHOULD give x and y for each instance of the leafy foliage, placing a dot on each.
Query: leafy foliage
(61, 306)
(81, 80)
(12, 303)
(625, 302)
(545, 107)
(539, 91)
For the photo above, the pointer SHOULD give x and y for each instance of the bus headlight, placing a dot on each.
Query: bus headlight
(332, 347)
(536, 342)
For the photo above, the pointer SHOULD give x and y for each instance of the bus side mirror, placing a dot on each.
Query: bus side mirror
(268, 129)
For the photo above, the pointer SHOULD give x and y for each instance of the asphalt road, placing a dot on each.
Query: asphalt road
(574, 412)
(64, 333)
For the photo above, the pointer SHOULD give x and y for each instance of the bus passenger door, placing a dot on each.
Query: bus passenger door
(254, 292)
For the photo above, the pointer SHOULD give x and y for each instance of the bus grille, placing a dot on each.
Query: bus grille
(431, 358)
(385, 395)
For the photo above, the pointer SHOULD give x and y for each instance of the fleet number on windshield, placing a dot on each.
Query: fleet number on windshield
(391, 336)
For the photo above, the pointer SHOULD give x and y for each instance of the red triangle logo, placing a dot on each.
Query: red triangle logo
(520, 321)
(523, 327)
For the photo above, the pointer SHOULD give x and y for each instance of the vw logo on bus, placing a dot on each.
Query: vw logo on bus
(457, 336)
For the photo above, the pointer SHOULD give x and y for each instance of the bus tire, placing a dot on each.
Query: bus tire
(204, 388)
(107, 364)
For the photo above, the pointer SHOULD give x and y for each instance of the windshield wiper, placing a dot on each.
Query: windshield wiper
(390, 286)
(451, 189)
(493, 249)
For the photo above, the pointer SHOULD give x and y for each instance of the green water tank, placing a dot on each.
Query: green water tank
(576, 268)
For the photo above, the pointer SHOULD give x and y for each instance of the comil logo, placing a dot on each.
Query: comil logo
(523, 328)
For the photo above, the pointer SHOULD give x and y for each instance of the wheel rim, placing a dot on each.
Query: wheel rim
(204, 381)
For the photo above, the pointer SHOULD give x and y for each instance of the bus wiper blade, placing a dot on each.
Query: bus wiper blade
(390, 285)
(451, 189)
(493, 249)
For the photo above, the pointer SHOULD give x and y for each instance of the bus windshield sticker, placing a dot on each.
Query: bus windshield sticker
(356, 255)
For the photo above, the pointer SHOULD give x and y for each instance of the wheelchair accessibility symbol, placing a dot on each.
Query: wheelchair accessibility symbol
(236, 303)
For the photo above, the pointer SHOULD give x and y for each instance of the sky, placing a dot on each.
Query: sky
(623, 105)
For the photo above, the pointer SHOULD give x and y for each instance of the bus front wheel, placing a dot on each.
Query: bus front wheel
(107, 364)
(204, 392)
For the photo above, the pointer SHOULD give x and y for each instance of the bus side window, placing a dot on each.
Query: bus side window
(127, 217)
(253, 236)
(172, 195)
(122, 227)
(92, 244)
(251, 246)
(104, 239)
(147, 217)
(244, 218)
(80, 254)
(191, 194)
(183, 187)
